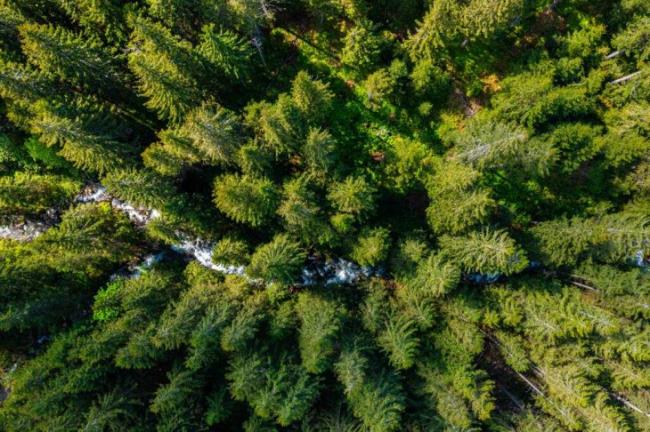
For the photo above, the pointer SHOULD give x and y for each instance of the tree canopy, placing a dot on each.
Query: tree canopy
(325, 215)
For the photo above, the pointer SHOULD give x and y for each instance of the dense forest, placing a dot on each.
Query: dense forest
(325, 215)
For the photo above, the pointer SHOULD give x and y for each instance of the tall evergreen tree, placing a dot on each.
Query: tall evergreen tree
(166, 70)
(245, 199)
(81, 60)
(89, 139)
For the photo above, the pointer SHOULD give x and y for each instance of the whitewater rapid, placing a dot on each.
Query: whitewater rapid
(329, 272)
(333, 271)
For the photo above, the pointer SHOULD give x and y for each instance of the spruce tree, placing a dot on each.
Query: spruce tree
(25, 193)
(226, 52)
(360, 215)
(321, 320)
(485, 252)
(302, 214)
(86, 136)
(277, 261)
(74, 58)
(165, 67)
(245, 199)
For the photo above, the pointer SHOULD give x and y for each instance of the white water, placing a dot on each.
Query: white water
(640, 259)
(337, 271)
(331, 272)
(29, 229)
(93, 193)
(23, 231)
(97, 193)
(202, 252)
(334, 272)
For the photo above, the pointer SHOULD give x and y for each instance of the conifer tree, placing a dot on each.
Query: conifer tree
(301, 213)
(21, 86)
(400, 340)
(457, 203)
(183, 15)
(40, 279)
(10, 19)
(434, 277)
(141, 188)
(371, 247)
(485, 252)
(254, 160)
(311, 97)
(277, 261)
(174, 402)
(103, 17)
(165, 68)
(376, 399)
(245, 199)
(230, 251)
(342, 200)
(25, 193)
(280, 125)
(226, 52)
(214, 132)
(321, 320)
(89, 139)
(319, 151)
(74, 58)
(434, 30)
(284, 392)
(110, 411)
(485, 143)
(352, 196)
(362, 47)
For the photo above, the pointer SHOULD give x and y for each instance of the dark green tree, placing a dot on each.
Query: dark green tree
(277, 261)
(246, 199)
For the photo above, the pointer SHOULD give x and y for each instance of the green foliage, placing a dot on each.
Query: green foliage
(230, 251)
(362, 47)
(485, 252)
(633, 39)
(448, 23)
(61, 53)
(226, 52)
(277, 261)
(54, 275)
(376, 399)
(25, 193)
(283, 125)
(245, 199)
(319, 151)
(319, 215)
(301, 213)
(321, 321)
(142, 188)
(371, 247)
(102, 17)
(354, 196)
(400, 340)
(45, 155)
(487, 144)
(435, 277)
(87, 135)
(457, 203)
(311, 97)
(276, 389)
(429, 80)
(214, 133)
(163, 66)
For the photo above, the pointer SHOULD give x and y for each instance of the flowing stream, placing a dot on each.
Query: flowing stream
(334, 271)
